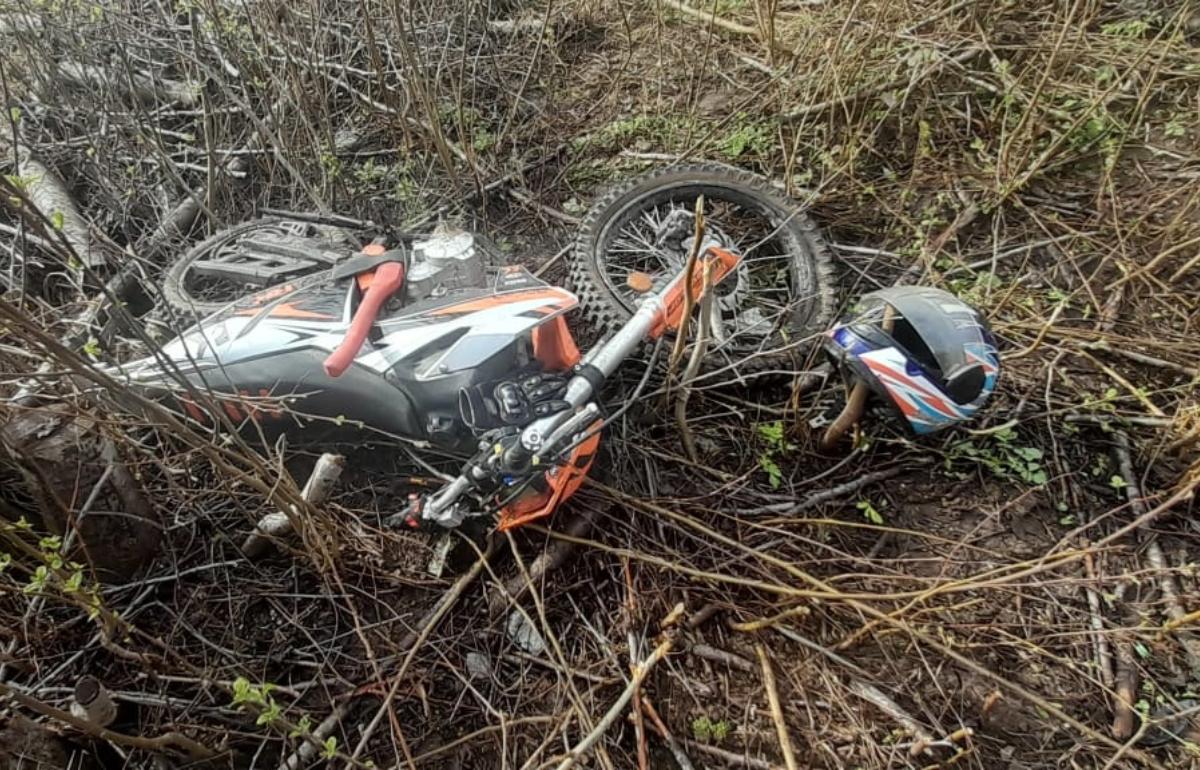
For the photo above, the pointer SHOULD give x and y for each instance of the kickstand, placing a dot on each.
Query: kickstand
(441, 553)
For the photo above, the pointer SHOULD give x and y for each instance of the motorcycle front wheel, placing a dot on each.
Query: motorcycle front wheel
(766, 315)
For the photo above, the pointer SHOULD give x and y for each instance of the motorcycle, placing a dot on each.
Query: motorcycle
(417, 336)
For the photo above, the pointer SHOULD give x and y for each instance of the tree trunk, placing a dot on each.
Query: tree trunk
(71, 478)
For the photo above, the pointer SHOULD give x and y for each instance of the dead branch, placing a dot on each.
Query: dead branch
(1096, 618)
(413, 641)
(308, 749)
(729, 757)
(721, 656)
(164, 742)
(827, 495)
(138, 86)
(711, 18)
(46, 191)
(554, 557)
(1154, 554)
(681, 757)
(639, 674)
(878, 698)
(1124, 716)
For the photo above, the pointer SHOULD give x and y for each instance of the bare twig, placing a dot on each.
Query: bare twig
(781, 731)
(681, 757)
(826, 495)
(730, 757)
(639, 674)
(1154, 554)
(308, 749)
(699, 349)
(886, 704)
(689, 299)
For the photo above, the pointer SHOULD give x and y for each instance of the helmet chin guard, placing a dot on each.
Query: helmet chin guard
(923, 351)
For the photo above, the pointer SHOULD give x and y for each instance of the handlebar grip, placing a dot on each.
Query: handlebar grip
(386, 281)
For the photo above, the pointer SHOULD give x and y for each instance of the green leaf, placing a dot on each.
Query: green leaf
(57, 220)
(1141, 649)
(74, 583)
(269, 714)
(14, 114)
(38, 581)
(869, 511)
(94, 605)
(330, 747)
(772, 432)
(1116, 482)
(302, 728)
(92, 347)
(242, 690)
(774, 474)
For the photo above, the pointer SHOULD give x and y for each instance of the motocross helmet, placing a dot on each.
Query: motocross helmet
(936, 366)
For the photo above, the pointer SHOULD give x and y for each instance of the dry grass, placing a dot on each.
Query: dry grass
(1039, 159)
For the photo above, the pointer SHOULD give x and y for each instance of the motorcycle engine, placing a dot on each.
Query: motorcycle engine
(443, 261)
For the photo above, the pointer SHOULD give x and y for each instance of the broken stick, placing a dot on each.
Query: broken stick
(279, 523)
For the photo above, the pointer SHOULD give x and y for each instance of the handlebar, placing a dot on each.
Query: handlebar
(386, 280)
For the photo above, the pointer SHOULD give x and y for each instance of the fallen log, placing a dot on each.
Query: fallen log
(136, 86)
(45, 191)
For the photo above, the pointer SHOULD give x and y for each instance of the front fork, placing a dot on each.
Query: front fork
(543, 440)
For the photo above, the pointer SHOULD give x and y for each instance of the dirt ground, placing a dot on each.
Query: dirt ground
(998, 596)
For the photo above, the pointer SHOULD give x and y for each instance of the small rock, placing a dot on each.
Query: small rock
(524, 635)
(479, 665)
(347, 139)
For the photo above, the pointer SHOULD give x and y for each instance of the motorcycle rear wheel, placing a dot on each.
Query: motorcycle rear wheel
(189, 291)
(771, 309)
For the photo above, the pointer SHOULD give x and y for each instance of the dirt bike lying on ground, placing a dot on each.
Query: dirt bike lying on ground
(417, 338)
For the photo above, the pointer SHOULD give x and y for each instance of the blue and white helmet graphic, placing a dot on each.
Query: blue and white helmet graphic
(937, 365)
